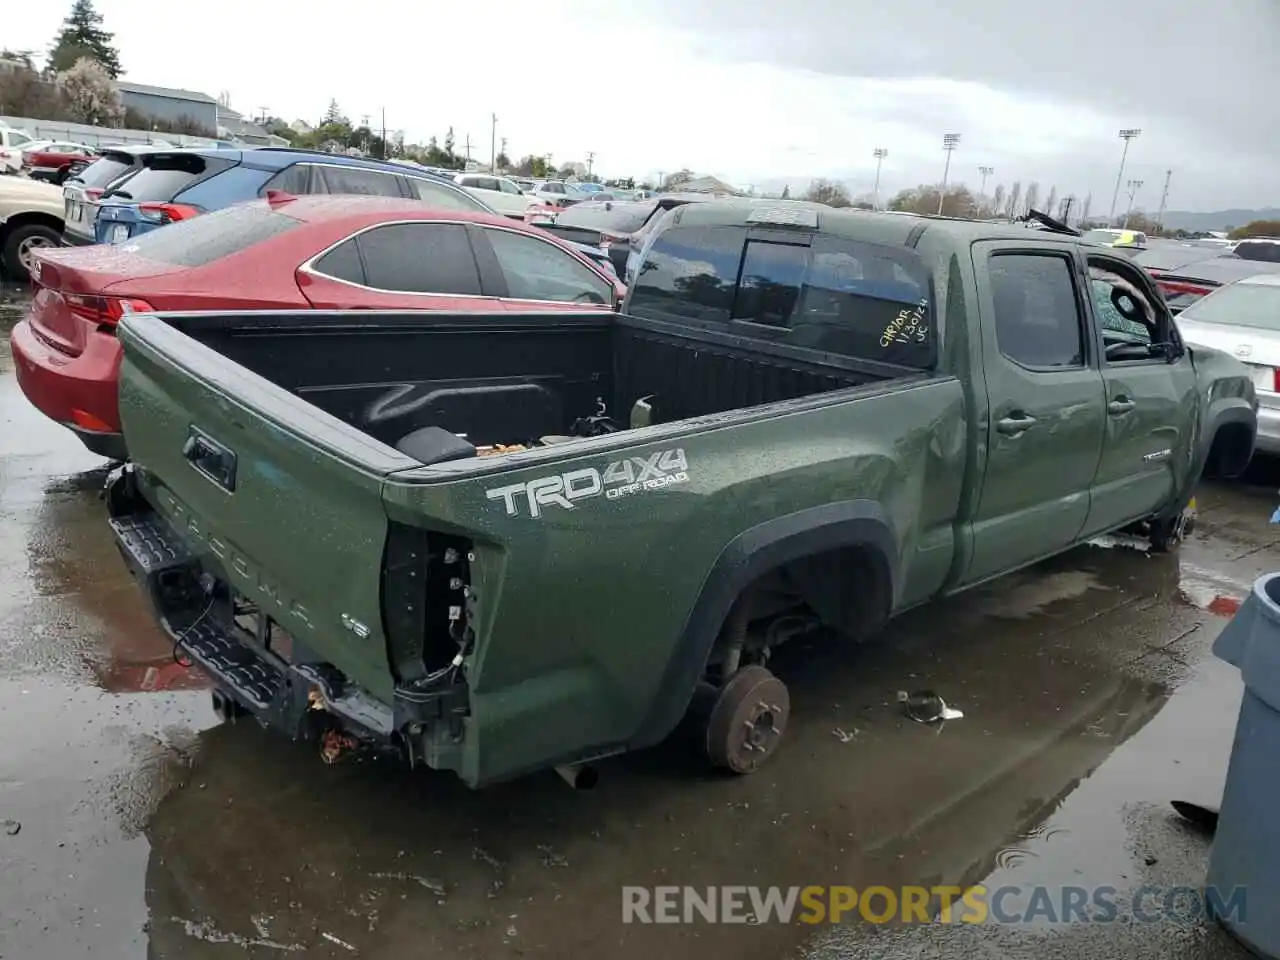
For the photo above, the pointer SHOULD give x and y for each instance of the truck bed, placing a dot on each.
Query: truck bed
(515, 379)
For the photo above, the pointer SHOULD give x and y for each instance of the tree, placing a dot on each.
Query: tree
(24, 57)
(1256, 228)
(565, 172)
(1084, 207)
(786, 191)
(448, 142)
(830, 192)
(82, 36)
(332, 115)
(1033, 197)
(959, 201)
(674, 180)
(90, 94)
(1137, 220)
(1051, 202)
(997, 200)
(1015, 200)
(503, 161)
(24, 94)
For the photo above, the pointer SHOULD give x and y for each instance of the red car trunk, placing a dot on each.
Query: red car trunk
(70, 301)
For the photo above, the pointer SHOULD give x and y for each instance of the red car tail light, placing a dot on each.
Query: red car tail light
(93, 193)
(1177, 287)
(1275, 380)
(104, 311)
(167, 212)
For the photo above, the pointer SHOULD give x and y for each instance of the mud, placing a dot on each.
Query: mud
(149, 828)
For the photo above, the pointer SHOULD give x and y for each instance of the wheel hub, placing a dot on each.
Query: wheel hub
(748, 720)
(28, 247)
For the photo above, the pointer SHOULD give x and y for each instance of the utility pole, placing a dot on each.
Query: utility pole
(986, 172)
(1134, 187)
(949, 142)
(493, 143)
(384, 133)
(262, 114)
(591, 158)
(879, 153)
(466, 146)
(1125, 135)
(364, 120)
(1164, 199)
(1067, 203)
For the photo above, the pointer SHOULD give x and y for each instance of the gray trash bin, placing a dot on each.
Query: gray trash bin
(1246, 844)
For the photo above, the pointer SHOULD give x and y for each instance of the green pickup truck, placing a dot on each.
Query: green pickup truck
(504, 542)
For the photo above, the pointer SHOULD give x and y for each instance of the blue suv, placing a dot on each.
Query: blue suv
(170, 185)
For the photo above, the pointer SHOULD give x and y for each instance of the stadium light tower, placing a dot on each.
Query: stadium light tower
(879, 153)
(949, 143)
(1126, 135)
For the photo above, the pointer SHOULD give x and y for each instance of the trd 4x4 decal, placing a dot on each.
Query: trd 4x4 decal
(622, 478)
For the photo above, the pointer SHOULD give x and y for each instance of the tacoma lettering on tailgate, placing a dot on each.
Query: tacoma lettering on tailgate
(622, 478)
(253, 580)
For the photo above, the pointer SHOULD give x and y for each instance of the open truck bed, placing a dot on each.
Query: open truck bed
(315, 524)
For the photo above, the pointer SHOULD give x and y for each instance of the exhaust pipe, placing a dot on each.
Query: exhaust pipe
(580, 776)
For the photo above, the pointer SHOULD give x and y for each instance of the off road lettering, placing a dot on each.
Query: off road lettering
(622, 478)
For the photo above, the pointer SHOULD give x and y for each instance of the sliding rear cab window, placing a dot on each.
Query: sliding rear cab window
(816, 290)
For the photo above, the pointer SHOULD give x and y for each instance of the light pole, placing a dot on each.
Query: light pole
(1164, 199)
(591, 159)
(1125, 135)
(1134, 187)
(879, 153)
(986, 172)
(949, 142)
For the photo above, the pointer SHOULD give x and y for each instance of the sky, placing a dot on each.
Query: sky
(762, 92)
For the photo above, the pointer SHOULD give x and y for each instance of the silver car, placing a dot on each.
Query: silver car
(1243, 319)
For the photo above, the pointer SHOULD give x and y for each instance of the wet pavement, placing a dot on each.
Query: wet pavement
(150, 829)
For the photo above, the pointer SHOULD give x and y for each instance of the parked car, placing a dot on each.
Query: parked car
(1116, 238)
(174, 185)
(498, 192)
(1243, 319)
(12, 143)
(53, 161)
(617, 227)
(555, 194)
(30, 218)
(1184, 284)
(287, 253)
(83, 189)
(1260, 249)
(801, 418)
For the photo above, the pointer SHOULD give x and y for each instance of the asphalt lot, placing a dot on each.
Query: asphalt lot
(147, 829)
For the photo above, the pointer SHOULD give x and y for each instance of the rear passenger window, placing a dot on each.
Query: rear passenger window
(342, 263)
(689, 273)
(295, 179)
(1037, 314)
(445, 197)
(420, 258)
(355, 180)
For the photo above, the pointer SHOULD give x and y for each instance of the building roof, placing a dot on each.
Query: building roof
(170, 92)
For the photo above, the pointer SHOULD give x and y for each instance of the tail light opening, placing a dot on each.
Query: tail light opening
(1275, 380)
(167, 212)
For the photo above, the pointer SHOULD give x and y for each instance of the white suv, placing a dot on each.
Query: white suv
(498, 192)
(12, 143)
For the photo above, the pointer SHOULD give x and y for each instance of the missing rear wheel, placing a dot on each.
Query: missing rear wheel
(748, 720)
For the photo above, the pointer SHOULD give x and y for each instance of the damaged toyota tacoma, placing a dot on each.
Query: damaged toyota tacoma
(505, 542)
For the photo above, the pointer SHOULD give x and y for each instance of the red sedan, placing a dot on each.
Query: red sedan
(324, 252)
(53, 161)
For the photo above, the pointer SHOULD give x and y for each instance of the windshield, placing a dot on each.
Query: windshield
(1240, 304)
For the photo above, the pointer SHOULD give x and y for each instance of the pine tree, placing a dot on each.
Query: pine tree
(333, 114)
(448, 142)
(786, 191)
(82, 36)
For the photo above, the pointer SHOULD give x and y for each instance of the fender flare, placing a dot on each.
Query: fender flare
(1225, 412)
(755, 551)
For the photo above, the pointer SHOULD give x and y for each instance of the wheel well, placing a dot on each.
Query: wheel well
(846, 589)
(30, 219)
(1231, 451)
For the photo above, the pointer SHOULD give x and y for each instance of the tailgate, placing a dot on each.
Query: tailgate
(282, 502)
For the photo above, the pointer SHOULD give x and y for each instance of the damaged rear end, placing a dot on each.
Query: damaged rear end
(255, 525)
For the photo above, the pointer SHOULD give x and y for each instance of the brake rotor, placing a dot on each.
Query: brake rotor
(748, 720)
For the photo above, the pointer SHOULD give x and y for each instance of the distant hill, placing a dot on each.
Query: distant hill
(1218, 219)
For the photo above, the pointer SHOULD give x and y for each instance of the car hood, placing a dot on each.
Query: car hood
(20, 195)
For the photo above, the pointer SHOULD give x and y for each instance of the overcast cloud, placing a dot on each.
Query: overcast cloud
(763, 91)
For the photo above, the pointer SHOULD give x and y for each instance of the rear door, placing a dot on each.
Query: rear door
(282, 500)
(1046, 401)
(1151, 405)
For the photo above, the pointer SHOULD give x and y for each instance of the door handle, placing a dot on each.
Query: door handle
(1120, 406)
(211, 459)
(1015, 425)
